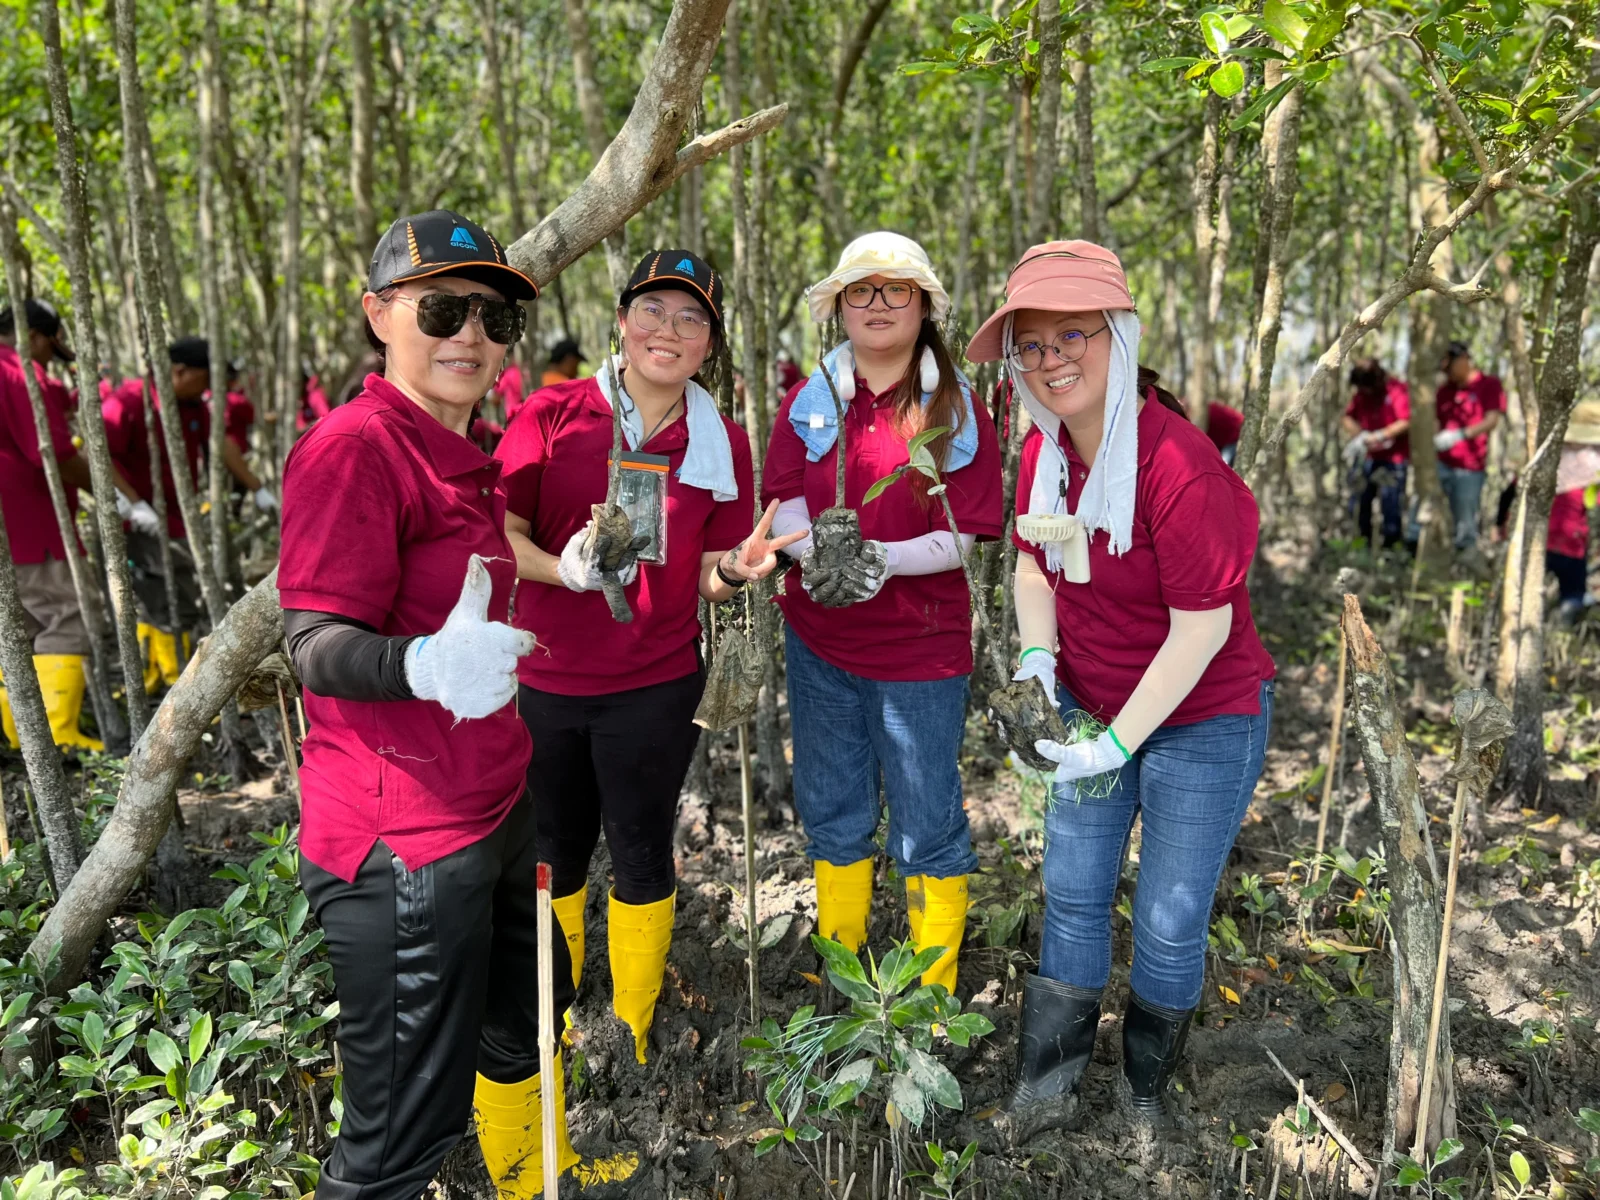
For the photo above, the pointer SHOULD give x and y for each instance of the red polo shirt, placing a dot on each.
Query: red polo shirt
(382, 506)
(1194, 534)
(554, 456)
(1373, 412)
(919, 627)
(130, 450)
(241, 416)
(1569, 525)
(1223, 425)
(1459, 407)
(24, 494)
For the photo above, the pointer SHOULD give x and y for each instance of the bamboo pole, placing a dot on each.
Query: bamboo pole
(1428, 1072)
(547, 1036)
(1333, 754)
(751, 930)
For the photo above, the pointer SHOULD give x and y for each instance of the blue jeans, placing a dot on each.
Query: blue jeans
(853, 735)
(1193, 785)
(1464, 490)
(1385, 483)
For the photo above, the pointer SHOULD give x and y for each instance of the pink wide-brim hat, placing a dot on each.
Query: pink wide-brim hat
(1074, 276)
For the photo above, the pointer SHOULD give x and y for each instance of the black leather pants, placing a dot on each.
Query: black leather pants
(436, 972)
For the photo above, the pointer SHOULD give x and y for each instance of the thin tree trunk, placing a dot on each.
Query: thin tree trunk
(1083, 112)
(213, 324)
(834, 217)
(1204, 198)
(169, 263)
(591, 105)
(1280, 149)
(363, 130)
(1042, 199)
(1520, 676)
(90, 422)
(969, 197)
(1415, 889)
(289, 388)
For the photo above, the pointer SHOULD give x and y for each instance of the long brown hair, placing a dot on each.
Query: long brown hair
(1149, 381)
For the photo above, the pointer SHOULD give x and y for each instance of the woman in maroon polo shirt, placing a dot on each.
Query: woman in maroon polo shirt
(1156, 640)
(417, 839)
(610, 705)
(878, 694)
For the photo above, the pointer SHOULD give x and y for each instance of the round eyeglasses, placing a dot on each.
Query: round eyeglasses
(1069, 347)
(688, 323)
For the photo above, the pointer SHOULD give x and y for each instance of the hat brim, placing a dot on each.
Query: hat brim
(1045, 295)
(507, 280)
(62, 353)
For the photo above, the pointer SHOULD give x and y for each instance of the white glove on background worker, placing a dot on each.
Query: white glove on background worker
(1356, 448)
(580, 572)
(469, 666)
(1447, 438)
(1039, 663)
(265, 500)
(139, 514)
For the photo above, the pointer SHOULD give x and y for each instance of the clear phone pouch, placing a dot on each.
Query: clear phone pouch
(642, 495)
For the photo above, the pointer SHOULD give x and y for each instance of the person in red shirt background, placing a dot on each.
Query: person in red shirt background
(124, 415)
(1154, 639)
(609, 705)
(1467, 408)
(241, 415)
(878, 691)
(1376, 421)
(52, 619)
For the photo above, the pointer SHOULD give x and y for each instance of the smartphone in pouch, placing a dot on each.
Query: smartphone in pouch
(642, 494)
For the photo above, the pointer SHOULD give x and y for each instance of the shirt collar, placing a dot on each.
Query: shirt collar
(450, 453)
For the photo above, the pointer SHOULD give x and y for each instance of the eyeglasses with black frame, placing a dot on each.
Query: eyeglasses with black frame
(1068, 346)
(443, 314)
(688, 323)
(895, 293)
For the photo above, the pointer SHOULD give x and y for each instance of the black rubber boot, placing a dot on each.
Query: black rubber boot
(1058, 1028)
(1152, 1044)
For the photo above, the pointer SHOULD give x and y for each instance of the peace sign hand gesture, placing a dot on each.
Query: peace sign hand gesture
(757, 556)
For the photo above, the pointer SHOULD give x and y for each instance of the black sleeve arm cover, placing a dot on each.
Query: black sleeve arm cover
(345, 659)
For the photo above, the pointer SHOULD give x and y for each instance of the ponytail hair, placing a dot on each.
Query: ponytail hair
(1149, 382)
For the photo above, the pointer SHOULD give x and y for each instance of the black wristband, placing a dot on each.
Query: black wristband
(732, 581)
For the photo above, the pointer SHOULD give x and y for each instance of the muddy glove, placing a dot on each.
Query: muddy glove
(139, 514)
(850, 582)
(1083, 760)
(265, 500)
(1038, 663)
(1447, 438)
(581, 564)
(469, 666)
(1356, 448)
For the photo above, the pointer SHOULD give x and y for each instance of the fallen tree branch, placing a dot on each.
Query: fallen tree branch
(222, 662)
(1345, 1144)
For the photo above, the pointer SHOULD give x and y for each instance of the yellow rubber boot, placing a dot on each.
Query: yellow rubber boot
(510, 1120)
(844, 902)
(62, 682)
(164, 654)
(640, 935)
(937, 909)
(569, 911)
(152, 670)
(8, 723)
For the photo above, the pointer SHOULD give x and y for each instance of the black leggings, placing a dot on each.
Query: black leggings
(1572, 575)
(619, 761)
(437, 974)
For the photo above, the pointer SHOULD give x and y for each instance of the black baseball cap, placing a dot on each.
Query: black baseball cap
(565, 348)
(190, 352)
(41, 317)
(442, 242)
(1457, 349)
(682, 270)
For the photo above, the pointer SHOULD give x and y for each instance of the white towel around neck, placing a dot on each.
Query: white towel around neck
(1108, 494)
(708, 459)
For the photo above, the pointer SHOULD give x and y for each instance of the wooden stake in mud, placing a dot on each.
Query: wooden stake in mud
(291, 753)
(1483, 723)
(1333, 753)
(547, 1035)
(752, 933)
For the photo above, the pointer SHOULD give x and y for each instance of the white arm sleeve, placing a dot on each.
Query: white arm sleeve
(1035, 605)
(793, 516)
(928, 554)
(1192, 642)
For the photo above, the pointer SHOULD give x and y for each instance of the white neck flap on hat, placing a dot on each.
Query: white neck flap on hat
(1108, 494)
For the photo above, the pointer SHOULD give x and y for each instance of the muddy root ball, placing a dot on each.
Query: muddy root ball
(1024, 715)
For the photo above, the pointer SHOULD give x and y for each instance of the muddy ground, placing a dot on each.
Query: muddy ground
(1522, 961)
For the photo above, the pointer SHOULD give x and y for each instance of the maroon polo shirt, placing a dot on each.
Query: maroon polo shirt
(1569, 525)
(24, 494)
(1194, 533)
(1379, 412)
(123, 411)
(554, 456)
(919, 627)
(1458, 407)
(1223, 425)
(382, 507)
(241, 415)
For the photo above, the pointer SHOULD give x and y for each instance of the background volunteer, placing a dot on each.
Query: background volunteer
(124, 415)
(1159, 642)
(1467, 408)
(417, 839)
(1376, 421)
(610, 705)
(51, 618)
(880, 693)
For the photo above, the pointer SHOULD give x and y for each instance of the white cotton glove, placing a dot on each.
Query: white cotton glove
(139, 514)
(581, 572)
(1447, 438)
(265, 500)
(1356, 448)
(1083, 760)
(469, 666)
(1038, 663)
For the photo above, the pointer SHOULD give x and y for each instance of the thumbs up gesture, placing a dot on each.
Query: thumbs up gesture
(469, 666)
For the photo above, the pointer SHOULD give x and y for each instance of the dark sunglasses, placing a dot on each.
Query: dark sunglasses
(441, 315)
